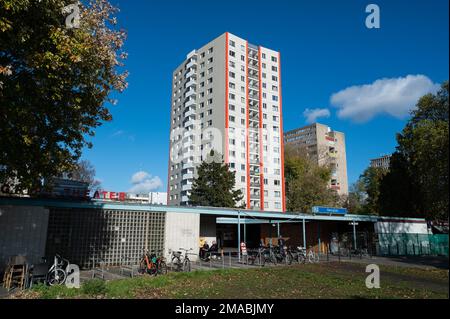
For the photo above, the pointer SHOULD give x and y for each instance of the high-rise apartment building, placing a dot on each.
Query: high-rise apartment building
(325, 146)
(383, 161)
(226, 96)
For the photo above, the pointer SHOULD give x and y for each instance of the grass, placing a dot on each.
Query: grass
(333, 280)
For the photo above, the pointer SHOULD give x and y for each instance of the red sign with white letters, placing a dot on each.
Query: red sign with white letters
(118, 196)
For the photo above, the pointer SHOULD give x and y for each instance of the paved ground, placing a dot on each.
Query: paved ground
(425, 262)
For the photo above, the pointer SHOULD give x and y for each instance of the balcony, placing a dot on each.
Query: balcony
(186, 187)
(191, 83)
(254, 172)
(188, 176)
(191, 64)
(189, 93)
(255, 184)
(189, 112)
(191, 73)
(333, 154)
(188, 165)
(189, 123)
(190, 102)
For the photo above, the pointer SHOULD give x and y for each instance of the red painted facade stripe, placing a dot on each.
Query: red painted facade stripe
(281, 137)
(247, 125)
(261, 165)
(226, 97)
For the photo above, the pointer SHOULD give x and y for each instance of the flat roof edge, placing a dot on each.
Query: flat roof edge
(17, 201)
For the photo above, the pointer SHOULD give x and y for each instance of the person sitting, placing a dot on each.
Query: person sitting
(204, 251)
(214, 249)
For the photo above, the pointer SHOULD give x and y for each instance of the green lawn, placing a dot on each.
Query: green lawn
(331, 280)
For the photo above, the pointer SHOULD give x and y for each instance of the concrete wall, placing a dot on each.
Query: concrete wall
(401, 227)
(23, 231)
(182, 231)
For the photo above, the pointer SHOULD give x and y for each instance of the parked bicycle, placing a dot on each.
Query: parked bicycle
(312, 256)
(181, 262)
(57, 273)
(151, 264)
(299, 255)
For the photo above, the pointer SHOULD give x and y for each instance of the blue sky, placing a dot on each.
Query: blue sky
(325, 49)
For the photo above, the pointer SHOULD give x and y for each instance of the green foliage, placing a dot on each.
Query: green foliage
(214, 185)
(54, 292)
(306, 182)
(418, 179)
(356, 198)
(54, 85)
(94, 287)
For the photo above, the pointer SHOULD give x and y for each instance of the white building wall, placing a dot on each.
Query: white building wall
(182, 231)
(401, 227)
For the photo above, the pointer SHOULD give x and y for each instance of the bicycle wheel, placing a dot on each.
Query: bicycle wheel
(289, 259)
(56, 277)
(162, 268)
(177, 263)
(153, 270)
(316, 258)
(273, 259)
(142, 266)
(187, 265)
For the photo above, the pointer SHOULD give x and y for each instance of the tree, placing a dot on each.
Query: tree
(214, 185)
(55, 83)
(306, 182)
(356, 198)
(84, 171)
(419, 172)
(400, 195)
(370, 180)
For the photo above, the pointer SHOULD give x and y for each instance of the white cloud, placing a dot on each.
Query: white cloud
(143, 182)
(395, 96)
(312, 115)
(117, 133)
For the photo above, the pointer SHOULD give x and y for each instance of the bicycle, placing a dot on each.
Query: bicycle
(161, 266)
(57, 274)
(288, 255)
(148, 264)
(312, 256)
(300, 255)
(181, 263)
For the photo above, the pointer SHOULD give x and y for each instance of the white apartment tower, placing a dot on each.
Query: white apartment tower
(226, 96)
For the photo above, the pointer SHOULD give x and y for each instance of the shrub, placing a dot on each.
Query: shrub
(94, 287)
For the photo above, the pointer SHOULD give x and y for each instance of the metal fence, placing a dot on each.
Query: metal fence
(390, 244)
(412, 244)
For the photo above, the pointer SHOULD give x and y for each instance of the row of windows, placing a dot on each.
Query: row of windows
(263, 55)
